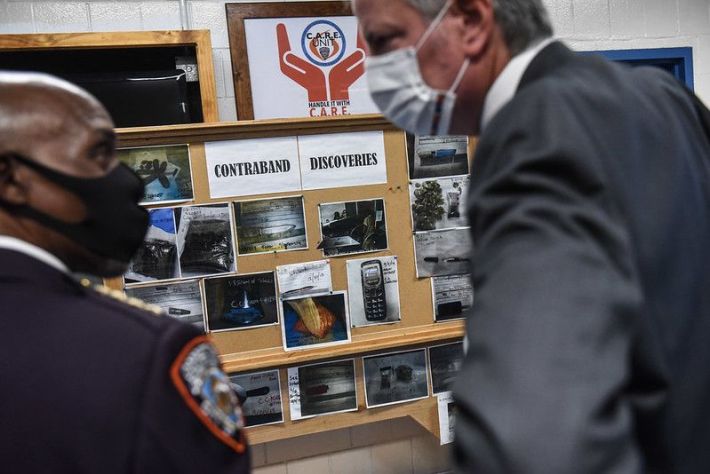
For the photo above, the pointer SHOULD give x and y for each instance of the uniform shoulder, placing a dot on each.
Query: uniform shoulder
(121, 299)
(130, 310)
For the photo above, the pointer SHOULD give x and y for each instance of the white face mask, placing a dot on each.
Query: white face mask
(398, 89)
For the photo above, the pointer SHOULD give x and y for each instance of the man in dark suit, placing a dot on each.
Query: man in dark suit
(590, 214)
(92, 381)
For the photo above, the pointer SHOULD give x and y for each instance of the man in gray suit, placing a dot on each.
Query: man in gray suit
(589, 207)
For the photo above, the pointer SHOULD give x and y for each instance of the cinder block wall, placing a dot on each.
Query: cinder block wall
(398, 446)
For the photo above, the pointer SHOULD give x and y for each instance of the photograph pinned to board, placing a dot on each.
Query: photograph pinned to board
(263, 405)
(270, 225)
(322, 389)
(439, 203)
(157, 257)
(452, 296)
(349, 228)
(181, 300)
(395, 377)
(165, 171)
(447, 417)
(442, 252)
(241, 302)
(315, 321)
(433, 157)
(303, 279)
(444, 365)
(373, 287)
(204, 239)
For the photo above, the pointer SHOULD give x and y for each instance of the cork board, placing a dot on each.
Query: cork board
(261, 348)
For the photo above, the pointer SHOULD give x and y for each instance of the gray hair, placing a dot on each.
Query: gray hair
(522, 21)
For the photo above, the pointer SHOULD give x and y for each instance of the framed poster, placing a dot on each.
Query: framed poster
(310, 52)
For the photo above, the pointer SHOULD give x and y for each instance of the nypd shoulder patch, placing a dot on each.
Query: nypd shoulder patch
(198, 376)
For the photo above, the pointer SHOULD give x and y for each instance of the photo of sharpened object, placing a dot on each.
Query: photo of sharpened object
(327, 388)
(240, 302)
(315, 321)
(182, 300)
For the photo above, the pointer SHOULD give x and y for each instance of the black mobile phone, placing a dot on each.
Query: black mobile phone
(373, 290)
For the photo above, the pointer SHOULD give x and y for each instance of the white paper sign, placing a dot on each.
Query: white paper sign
(302, 279)
(447, 416)
(306, 67)
(341, 160)
(294, 393)
(254, 166)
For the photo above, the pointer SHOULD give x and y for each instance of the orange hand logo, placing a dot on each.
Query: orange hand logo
(312, 78)
(346, 72)
(302, 72)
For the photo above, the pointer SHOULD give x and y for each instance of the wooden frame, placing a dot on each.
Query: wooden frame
(416, 330)
(141, 39)
(238, 12)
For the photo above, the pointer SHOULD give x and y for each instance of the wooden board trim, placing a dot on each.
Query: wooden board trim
(425, 412)
(204, 132)
(360, 345)
(132, 39)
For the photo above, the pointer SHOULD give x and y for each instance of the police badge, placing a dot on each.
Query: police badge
(198, 376)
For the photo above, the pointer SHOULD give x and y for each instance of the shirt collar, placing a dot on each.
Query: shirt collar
(12, 243)
(506, 84)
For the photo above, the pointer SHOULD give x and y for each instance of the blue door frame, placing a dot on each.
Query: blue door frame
(677, 61)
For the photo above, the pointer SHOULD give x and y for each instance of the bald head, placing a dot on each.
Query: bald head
(51, 122)
(37, 111)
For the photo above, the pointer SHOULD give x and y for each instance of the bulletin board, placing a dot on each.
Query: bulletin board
(262, 348)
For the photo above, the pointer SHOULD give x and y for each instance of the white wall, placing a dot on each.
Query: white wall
(397, 446)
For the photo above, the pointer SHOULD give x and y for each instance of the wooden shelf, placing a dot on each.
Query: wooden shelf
(364, 344)
(425, 412)
(245, 129)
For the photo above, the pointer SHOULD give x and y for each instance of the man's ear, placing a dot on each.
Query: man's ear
(478, 23)
(12, 190)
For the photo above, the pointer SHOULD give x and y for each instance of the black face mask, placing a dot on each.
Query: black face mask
(115, 225)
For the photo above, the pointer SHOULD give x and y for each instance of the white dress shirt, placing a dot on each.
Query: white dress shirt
(17, 245)
(507, 83)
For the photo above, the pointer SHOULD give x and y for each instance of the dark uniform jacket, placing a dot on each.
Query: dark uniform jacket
(590, 334)
(91, 384)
